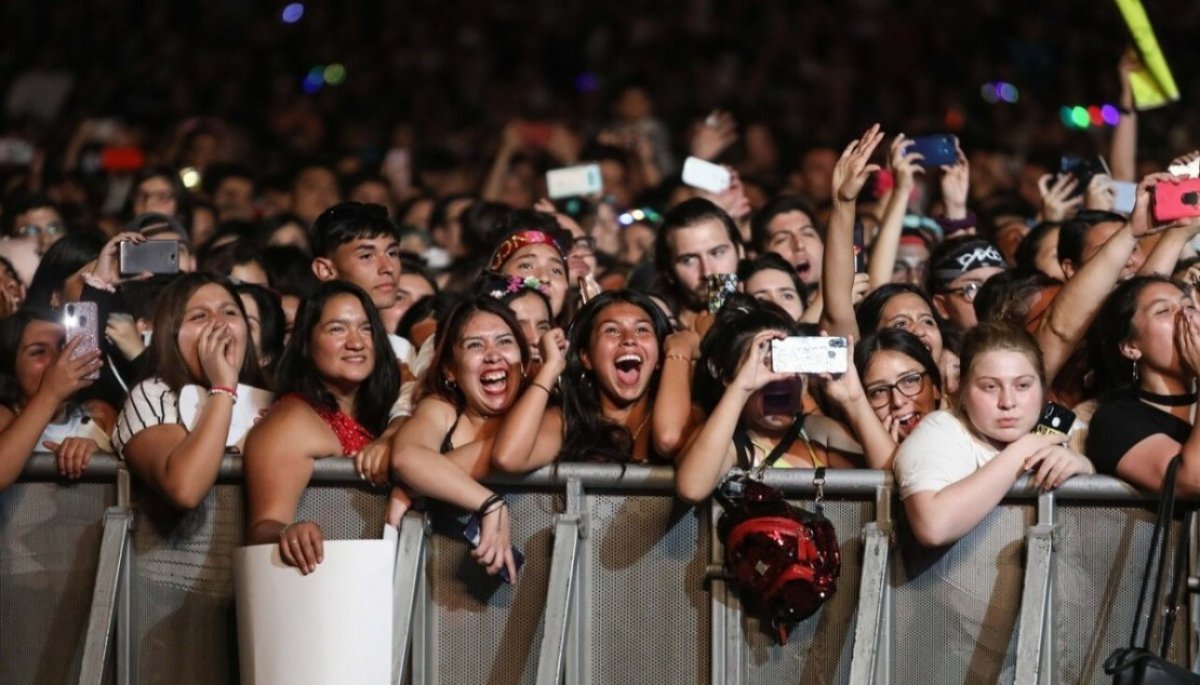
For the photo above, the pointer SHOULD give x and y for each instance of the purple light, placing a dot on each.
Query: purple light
(1110, 115)
(292, 13)
(587, 82)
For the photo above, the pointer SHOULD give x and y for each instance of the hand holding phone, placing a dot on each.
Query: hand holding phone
(1055, 420)
(936, 151)
(705, 175)
(80, 322)
(1176, 200)
(472, 535)
(718, 288)
(810, 355)
(150, 256)
(582, 181)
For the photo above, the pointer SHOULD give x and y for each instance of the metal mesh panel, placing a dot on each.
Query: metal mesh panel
(485, 631)
(955, 610)
(184, 619)
(1101, 557)
(644, 592)
(49, 548)
(819, 649)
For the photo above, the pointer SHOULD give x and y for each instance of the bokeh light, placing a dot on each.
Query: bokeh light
(335, 74)
(314, 80)
(1079, 115)
(1007, 92)
(292, 13)
(1110, 114)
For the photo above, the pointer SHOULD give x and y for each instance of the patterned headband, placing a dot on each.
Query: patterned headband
(518, 240)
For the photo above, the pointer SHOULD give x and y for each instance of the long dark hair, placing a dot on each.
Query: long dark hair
(896, 340)
(12, 329)
(272, 328)
(449, 330)
(1114, 326)
(739, 320)
(163, 358)
(66, 256)
(297, 373)
(872, 306)
(590, 436)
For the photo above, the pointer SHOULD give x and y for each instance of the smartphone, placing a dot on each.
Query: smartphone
(1126, 196)
(1176, 200)
(571, 181)
(471, 534)
(860, 248)
(705, 175)
(80, 320)
(937, 150)
(1083, 170)
(719, 288)
(536, 133)
(152, 256)
(818, 354)
(1055, 420)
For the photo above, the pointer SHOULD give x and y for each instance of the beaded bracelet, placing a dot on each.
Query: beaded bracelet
(231, 393)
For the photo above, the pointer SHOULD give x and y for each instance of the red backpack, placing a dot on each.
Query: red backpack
(783, 560)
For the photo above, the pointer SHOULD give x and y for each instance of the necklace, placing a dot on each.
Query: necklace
(637, 433)
(1183, 400)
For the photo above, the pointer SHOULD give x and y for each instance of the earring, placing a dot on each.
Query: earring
(1135, 373)
(451, 385)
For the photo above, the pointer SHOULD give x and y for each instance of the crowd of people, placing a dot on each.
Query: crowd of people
(436, 331)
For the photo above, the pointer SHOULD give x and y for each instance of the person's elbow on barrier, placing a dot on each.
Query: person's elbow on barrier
(185, 495)
(691, 489)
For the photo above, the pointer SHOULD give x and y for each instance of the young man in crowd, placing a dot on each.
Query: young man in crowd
(696, 240)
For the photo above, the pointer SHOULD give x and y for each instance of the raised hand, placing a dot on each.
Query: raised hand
(553, 349)
(1141, 222)
(1100, 193)
(108, 263)
(1057, 203)
(956, 185)
(754, 370)
(219, 354)
(904, 163)
(712, 136)
(67, 376)
(853, 169)
(1187, 338)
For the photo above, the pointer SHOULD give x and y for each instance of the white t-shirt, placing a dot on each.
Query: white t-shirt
(939, 452)
(150, 403)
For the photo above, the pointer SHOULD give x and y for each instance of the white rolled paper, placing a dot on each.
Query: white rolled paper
(331, 626)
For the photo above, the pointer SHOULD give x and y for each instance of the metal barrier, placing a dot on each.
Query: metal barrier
(622, 583)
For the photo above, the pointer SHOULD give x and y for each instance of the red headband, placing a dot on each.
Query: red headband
(518, 240)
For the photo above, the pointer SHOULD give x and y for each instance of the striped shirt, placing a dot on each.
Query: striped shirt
(150, 403)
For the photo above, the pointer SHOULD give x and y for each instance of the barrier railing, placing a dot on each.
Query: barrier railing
(622, 583)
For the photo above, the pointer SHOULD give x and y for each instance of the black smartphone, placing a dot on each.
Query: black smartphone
(152, 256)
(471, 535)
(1084, 170)
(1055, 420)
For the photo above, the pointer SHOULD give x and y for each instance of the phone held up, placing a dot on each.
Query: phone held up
(80, 321)
(1177, 200)
(938, 150)
(720, 287)
(810, 355)
(152, 256)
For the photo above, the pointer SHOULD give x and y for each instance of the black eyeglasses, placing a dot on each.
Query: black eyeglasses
(909, 385)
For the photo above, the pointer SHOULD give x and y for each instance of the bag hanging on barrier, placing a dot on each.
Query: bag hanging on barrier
(784, 560)
(1137, 664)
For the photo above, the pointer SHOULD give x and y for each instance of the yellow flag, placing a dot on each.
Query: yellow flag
(1152, 83)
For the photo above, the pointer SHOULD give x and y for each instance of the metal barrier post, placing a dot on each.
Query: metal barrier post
(102, 617)
(125, 665)
(727, 641)
(410, 563)
(568, 528)
(1035, 637)
(871, 660)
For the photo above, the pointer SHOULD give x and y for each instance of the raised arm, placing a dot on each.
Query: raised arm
(837, 278)
(710, 454)
(184, 465)
(847, 392)
(1176, 235)
(883, 250)
(1124, 140)
(521, 430)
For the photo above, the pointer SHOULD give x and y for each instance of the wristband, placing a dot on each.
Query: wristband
(487, 506)
(231, 393)
(285, 530)
(535, 384)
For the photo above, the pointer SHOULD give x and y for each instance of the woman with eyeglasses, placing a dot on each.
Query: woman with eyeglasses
(900, 378)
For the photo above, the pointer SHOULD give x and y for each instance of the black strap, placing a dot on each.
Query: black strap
(1158, 548)
(781, 449)
(1178, 594)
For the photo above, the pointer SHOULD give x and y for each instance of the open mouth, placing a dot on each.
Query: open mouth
(494, 382)
(778, 399)
(908, 422)
(803, 269)
(629, 369)
(355, 359)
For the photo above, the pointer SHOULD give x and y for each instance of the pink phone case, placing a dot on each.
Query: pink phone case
(80, 320)
(1176, 200)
